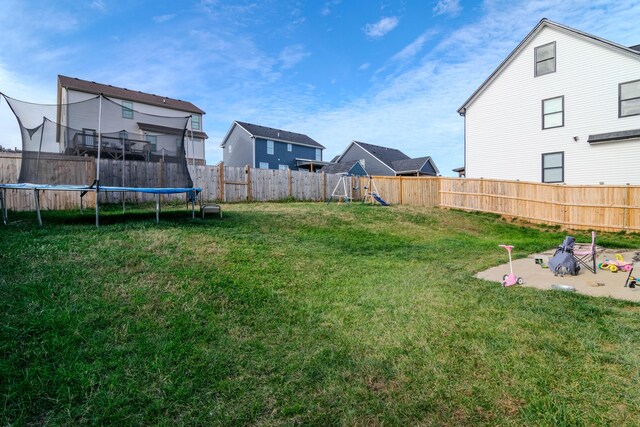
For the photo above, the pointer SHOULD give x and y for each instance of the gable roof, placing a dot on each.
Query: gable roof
(276, 134)
(86, 86)
(633, 51)
(385, 154)
(354, 168)
(413, 165)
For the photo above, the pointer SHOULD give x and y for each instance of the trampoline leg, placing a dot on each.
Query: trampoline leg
(36, 199)
(193, 205)
(3, 197)
(97, 210)
(157, 208)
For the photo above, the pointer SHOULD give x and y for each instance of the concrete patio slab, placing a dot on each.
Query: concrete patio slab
(602, 284)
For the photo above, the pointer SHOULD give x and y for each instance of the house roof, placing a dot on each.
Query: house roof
(385, 154)
(74, 83)
(277, 134)
(339, 168)
(633, 51)
(413, 165)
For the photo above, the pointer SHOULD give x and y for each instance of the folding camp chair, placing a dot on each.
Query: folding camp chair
(585, 253)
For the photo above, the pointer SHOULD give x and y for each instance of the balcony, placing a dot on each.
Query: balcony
(86, 144)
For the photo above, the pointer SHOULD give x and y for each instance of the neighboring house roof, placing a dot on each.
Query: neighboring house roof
(394, 159)
(126, 94)
(385, 154)
(258, 131)
(634, 51)
(149, 127)
(413, 165)
(460, 169)
(354, 168)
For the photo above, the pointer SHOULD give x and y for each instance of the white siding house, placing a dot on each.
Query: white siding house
(123, 117)
(563, 107)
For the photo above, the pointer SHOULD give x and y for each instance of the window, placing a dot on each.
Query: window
(318, 154)
(361, 161)
(283, 167)
(89, 137)
(553, 167)
(269, 146)
(629, 99)
(553, 112)
(153, 140)
(230, 147)
(127, 110)
(264, 165)
(289, 147)
(545, 59)
(195, 122)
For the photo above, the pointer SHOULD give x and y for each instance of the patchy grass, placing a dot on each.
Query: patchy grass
(301, 313)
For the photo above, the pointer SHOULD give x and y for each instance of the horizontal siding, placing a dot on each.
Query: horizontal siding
(504, 139)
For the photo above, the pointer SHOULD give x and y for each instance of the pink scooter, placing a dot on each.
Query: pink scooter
(510, 279)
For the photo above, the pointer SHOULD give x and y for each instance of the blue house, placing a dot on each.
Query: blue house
(268, 148)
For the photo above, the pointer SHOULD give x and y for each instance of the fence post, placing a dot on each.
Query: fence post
(324, 186)
(482, 194)
(247, 170)
(627, 209)
(565, 218)
(221, 181)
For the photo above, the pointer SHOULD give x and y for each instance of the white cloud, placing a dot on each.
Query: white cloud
(412, 49)
(382, 27)
(447, 7)
(99, 5)
(290, 56)
(364, 66)
(327, 9)
(163, 18)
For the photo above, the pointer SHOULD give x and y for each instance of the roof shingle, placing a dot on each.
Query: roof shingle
(126, 94)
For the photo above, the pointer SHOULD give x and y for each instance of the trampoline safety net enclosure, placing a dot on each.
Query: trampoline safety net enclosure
(52, 133)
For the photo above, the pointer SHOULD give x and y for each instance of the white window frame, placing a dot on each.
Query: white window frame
(318, 155)
(283, 167)
(195, 122)
(263, 165)
(289, 147)
(270, 147)
(127, 110)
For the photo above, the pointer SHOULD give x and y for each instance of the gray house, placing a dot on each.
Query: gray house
(128, 112)
(268, 148)
(379, 160)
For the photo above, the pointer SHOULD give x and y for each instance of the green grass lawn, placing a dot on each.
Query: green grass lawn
(301, 313)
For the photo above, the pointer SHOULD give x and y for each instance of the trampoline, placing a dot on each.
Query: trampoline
(141, 152)
(36, 189)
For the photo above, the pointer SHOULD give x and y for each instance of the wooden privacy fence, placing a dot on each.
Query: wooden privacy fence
(599, 207)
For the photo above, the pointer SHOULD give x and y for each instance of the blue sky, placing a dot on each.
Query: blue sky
(391, 73)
